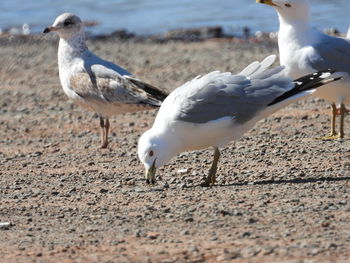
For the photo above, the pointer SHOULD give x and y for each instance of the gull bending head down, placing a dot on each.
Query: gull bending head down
(216, 108)
(304, 50)
(96, 84)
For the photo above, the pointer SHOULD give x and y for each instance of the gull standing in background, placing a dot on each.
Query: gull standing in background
(216, 108)
(94, 83)
(304, 50)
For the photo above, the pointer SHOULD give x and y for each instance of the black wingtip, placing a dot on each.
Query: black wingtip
(308, 82)
(155, 93)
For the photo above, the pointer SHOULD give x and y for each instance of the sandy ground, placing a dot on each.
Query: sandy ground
(282, 196)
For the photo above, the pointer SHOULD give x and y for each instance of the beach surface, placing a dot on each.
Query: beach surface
(281, 196)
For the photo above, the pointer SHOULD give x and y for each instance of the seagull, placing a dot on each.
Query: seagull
(96, 84)
(214, 109)
(304, 50)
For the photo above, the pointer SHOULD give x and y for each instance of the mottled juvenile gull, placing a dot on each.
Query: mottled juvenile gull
(94, 83)
(304, 49)
(214, 109)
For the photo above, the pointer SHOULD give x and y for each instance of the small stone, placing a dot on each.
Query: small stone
(183, 185)
(157, 189)
(237, 213)
(252, 220)
(166, 210)
(130, 182)
(246, 234)
(5, 225)
(138, 233)
(173, 180)
(182, 171)
(153, 235)
(224, 213)
(314, 251)
(221, 258)
(185, 232)
(269, 250)
(325, 224)
(228, 256)
(332, 246)
(193, 249)
(342, 202)
(213, 238)
(139, 190)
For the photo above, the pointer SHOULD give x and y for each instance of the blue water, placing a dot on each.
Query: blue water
(157, 16)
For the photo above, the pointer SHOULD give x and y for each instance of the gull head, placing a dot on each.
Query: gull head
(67, 26)
(154, 151)
(290, 10)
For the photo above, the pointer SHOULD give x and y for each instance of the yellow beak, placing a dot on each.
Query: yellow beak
(151, 174)
(266, 2)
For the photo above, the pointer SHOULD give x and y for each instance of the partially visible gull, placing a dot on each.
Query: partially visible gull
(216, 108)
(304, 50)
(94, 83)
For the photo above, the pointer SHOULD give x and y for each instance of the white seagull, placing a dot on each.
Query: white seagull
(216, 108)
(304, 50)
(94, 83)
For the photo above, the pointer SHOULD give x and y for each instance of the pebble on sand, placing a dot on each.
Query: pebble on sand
(182, 171)
(5, 225)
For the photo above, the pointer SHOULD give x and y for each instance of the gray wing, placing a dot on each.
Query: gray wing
(218, 95)
(112, 89)
(103, 68)
(331, 52)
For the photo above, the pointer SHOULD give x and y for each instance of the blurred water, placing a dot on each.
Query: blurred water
(157, 16)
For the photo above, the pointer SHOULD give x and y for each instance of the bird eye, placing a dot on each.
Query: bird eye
(67, 23)
(151, 153)
(287, 5)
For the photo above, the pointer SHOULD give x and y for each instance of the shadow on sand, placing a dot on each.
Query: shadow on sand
(293, 181)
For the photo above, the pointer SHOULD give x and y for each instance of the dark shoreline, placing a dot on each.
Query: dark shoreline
(178, 35)
(181, 35)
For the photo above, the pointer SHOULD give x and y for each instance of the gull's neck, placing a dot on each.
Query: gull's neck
(294, 31)
(168, 143)
(72, 48)
(295, 35)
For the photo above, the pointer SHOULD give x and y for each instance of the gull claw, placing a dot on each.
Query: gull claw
(329, 137)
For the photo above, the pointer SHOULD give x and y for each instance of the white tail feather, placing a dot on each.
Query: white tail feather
(265, 64)
(256, 68)
(250, 69)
